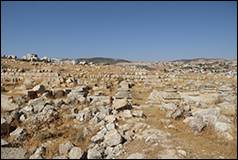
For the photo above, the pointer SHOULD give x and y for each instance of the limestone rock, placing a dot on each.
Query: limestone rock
(12, 153)
(123, 94)
(137, 113)
(38, 154)
(4, 126)
(112, 138)
(136, 156)
(7, 104)
(37, 104)
(223, 129)
(75, 153)
(113, 152)
(39, 88)
(65, 147)
(3, 143)
(175, 114)
(195, 123)
(94, 154)
(182, 152)
(99, 136)
(126, 113)
(120, 104)
(110, 126)
(209, 115)
(19, 134)
(168, 106)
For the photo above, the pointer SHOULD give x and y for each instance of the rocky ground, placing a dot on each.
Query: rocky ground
(158, 110)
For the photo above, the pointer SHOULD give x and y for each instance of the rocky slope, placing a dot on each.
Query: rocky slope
(166, 110)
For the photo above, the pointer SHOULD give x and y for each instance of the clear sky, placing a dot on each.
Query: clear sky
(131, 30)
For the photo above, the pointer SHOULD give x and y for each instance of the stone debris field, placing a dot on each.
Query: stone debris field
(176, 109)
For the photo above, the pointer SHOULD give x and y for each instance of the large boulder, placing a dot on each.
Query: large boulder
(7, 103)
(175, 114)
(120, 104)
(168, 106)
(99, 136)
(78, 94)
(84, 115)
(123, 94)
(4, 126)
(64, 148)
(205, 99)
(195, 123)
(3, 143)
(113, 152)
(37, 104)
(110, 118)
(110, 126)
(39, 88)
(75, 153)
(12, 153)
(209, 116)
(124, 85)
(113, 138)
(99, 100)
(82, 90)
(126, 113)
(39, 153)
(105, 110)
(19, 134)
(47, 115)
(137, 113)
(223, 129)
(93, 153)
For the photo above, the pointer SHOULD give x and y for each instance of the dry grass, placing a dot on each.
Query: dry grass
(205, 145)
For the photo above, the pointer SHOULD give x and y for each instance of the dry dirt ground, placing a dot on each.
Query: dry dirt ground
(206, 144)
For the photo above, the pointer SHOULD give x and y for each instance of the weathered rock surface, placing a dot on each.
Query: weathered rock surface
(75, 153)
(12, 153)
(4, 126)
(64, 148)
(94, 154)
(120, 104)
(60, 109)
(7, 104)
(112, 138)
(136, 156)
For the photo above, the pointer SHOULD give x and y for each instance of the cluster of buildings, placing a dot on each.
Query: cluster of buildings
(34, 57)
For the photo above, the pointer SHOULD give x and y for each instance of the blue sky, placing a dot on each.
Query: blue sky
(131, 30)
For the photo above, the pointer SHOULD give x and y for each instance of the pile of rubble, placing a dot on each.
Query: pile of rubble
(63, 111)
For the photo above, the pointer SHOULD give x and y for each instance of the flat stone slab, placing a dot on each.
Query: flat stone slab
(12, 153)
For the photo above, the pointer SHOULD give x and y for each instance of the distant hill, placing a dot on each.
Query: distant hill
(198, 59)
(103, 60)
